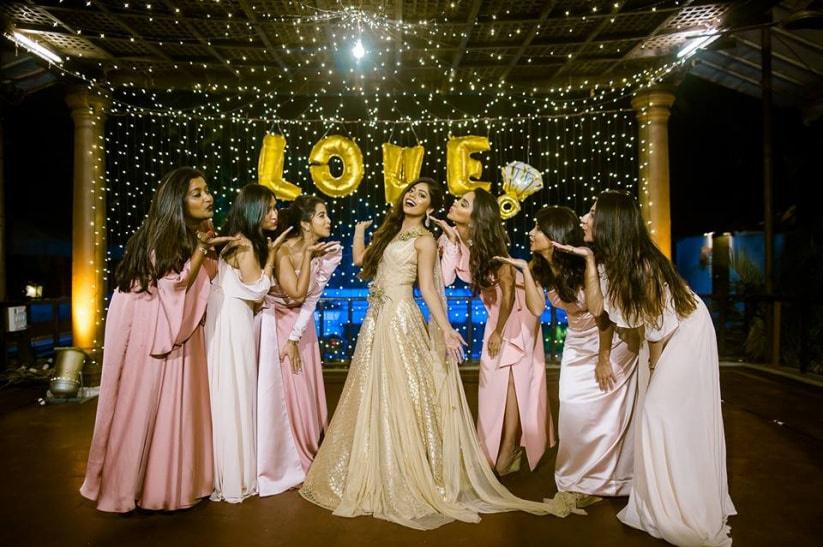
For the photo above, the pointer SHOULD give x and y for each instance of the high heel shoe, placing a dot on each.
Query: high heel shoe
(514, 464)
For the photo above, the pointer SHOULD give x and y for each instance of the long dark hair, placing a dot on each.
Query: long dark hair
(489, 239)
(300, 210)
(245, 217)
(393, 222)
(560, 224)
(638, 272)
(164, 241)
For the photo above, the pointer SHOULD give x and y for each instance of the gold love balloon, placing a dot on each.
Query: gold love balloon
(270, 168)
(401, 165)
(462, 171)
(349, 153)
(520, 180)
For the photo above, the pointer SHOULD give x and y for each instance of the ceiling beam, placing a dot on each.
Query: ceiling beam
(571, 18)
(219, 44)
(547, 9)
(589, 39)
(654, 33)
(777, 55)
(270, 49)
(134, 34)
(194, 32)
(799, 39)
(751, 64)
(471, 20)
(44, 10)
(730, 72)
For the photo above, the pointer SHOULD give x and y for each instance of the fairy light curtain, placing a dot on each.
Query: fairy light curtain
(578, 156)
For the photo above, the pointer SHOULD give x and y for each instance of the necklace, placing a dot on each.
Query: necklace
(408, 234)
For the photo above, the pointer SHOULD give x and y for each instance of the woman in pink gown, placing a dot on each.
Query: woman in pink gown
(299, 353)
(512, 399)
(680, 489)
(152, 436)
(598, 390)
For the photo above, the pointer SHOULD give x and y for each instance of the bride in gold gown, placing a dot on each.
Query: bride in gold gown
(402, 444)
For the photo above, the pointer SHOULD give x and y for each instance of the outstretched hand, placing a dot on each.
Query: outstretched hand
(448, 229)
(207, 228)
(362, 225)
(585, 252)
(220, 240)
(210, 239)
(322, 248)
(518, 263)
(278, 242)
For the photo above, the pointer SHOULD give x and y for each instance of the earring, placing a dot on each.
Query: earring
(426, 222)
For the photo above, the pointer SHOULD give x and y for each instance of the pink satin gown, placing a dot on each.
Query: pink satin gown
(680, 489)
(152, 436)
(278, 461)
(304, 391)
(595, 454)
(521, 354)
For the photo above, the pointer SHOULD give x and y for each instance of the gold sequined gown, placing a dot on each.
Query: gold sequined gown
(402, 445)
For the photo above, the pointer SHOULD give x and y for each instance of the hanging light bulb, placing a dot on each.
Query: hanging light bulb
(358, 50)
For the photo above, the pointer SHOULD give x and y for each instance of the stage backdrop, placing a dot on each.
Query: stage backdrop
(577, 155)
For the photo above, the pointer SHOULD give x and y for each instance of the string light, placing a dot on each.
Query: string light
(580, 136)
(358, 50)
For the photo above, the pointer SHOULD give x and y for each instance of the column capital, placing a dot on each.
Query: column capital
(653, 104)
(82, 100)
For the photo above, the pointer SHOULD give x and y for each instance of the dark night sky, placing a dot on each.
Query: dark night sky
(716, 159)
(38, 136)
(716, 173)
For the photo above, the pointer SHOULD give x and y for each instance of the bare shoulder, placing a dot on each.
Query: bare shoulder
(425, 242)
(284, 250)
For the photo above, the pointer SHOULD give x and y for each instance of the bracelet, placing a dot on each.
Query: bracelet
(204, 249)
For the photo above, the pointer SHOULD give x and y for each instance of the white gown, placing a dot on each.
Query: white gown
(232, 358)
(680, 490)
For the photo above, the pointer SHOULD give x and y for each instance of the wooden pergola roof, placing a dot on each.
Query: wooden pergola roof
(287, 45)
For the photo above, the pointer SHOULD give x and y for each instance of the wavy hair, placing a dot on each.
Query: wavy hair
(638, 272)
(562, 225)
(163, 242)
(489, 239)
(393, 223)
(246, 216)
(300, 210)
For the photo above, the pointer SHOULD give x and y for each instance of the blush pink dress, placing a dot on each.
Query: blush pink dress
(152, 436)
(278, 461)
(595, 454)
(521, 353)
(680, 489)
(305, 392)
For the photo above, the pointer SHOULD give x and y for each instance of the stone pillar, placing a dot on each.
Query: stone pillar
(88, 287)
(653, 107)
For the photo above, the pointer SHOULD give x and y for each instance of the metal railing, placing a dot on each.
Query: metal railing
(740, 323)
